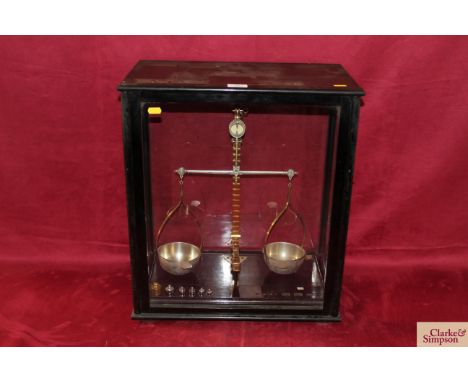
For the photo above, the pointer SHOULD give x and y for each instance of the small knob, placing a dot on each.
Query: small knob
(239, 113)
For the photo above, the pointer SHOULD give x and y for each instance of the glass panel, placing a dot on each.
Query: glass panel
(197, 212)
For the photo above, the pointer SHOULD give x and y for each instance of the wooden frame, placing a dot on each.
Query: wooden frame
(135, 100)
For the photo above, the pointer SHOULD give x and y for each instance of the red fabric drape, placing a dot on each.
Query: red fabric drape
(64, 269)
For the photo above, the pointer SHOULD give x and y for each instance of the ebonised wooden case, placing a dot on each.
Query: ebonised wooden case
(310, 110)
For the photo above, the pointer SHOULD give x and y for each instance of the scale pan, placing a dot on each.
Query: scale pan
(178, 258)
(284, 258)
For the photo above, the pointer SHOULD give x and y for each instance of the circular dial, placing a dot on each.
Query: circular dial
(237, 128)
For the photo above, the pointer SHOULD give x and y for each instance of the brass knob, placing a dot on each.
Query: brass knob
(239, 113)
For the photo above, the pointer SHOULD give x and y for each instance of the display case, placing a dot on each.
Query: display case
(238, 181)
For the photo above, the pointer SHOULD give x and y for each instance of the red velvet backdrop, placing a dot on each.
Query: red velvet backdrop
(64, 268)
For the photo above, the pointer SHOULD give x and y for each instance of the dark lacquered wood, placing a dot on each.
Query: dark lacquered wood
(135, 200)
(331, 78)
(251, 300)
(343, 181)
(255, 284)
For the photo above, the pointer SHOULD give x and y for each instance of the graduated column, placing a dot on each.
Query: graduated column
(235, 207)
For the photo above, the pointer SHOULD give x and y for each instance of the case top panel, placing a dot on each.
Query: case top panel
(241, 76)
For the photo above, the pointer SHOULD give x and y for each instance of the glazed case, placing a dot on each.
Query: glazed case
(238, 181)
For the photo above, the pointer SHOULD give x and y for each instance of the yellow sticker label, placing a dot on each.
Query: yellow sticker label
(154, 110)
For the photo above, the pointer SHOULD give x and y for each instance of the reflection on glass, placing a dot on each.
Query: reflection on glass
(275, 139)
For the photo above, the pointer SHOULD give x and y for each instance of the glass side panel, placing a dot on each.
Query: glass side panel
(194, 218)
